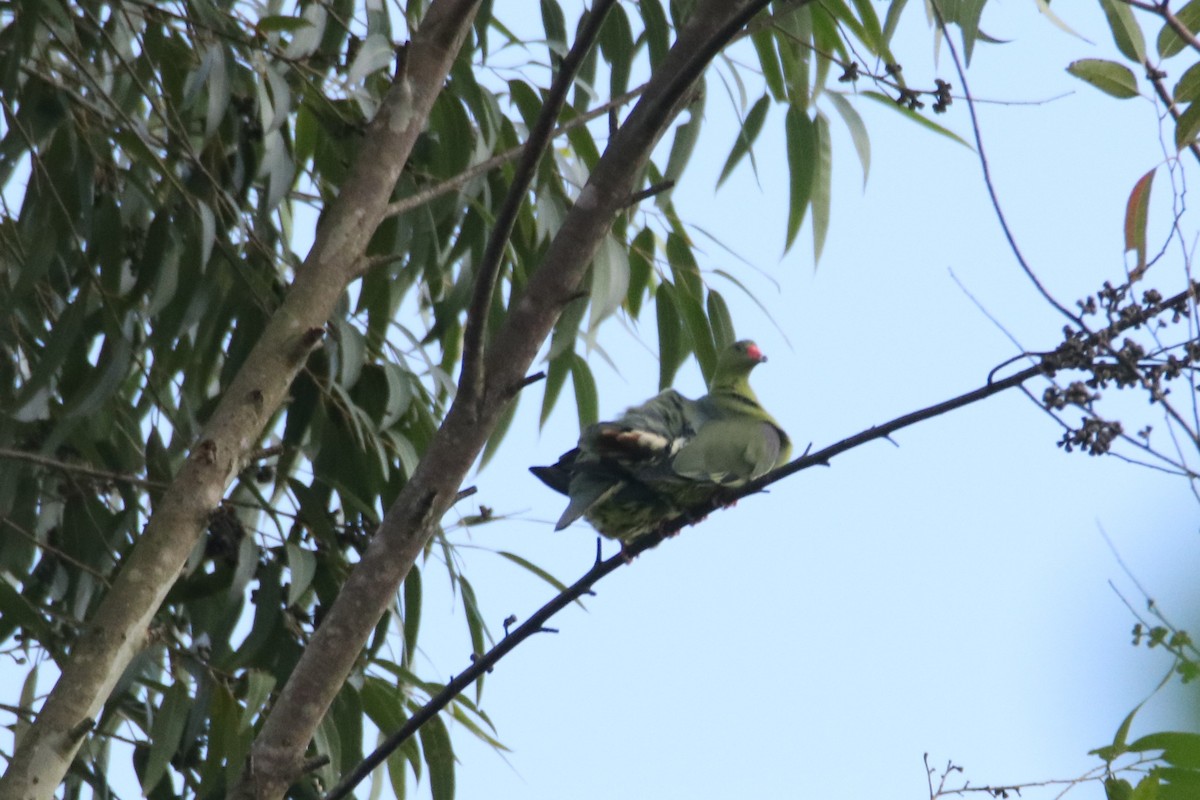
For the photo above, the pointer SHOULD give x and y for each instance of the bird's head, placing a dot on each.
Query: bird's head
(735, 362)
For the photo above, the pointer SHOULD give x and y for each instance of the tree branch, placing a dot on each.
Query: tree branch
(406, 204)
(471, 380)
(482, 663)
(78, 469)
(1155, 76)
(412, 518)
(987, 177)
(1162, 10)
(118, 629)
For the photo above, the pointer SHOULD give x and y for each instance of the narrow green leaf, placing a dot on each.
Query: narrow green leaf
(858, 130)
(802, 161)
(695, 321)
(1169, 43)
(794, 35)
(1056, 21)
(526, 99)
(1127, 34)
(413, 595)
(397, 772)
(917, 118)
(28, 699)
(439, 757)
(116, 355)
(616, 44)
(1107, 76)
(536, 570)
(302, 564)
(870, 25)
(684, 143)
(892, 19)
(475, 625)
(768, 58)
(965, 14)
(672, 348)
(609, 284)
(658, 32)
(555, 25)
(259, 685)
(751, 127)
(556, 377)
(471, 725)
(684, 268)
(720, 319)
(1137, 211)
(586, 400)
(275, 23)
(822, 186)
(166, 733)
(641, 259)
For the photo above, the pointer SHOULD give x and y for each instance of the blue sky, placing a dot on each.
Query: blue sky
(949, 594)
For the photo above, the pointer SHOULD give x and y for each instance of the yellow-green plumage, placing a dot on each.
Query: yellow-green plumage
(668, 456)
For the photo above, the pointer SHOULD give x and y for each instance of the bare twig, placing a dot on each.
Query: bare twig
(406, 204)
(79, 469)
(987, 177)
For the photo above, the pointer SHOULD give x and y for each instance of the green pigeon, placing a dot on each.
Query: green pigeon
(667, 456)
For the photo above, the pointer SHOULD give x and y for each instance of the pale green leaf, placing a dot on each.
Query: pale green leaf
(302, 564)
(684, 143)
(1107, 76)
(439, 757)
(586, 399)
(748, 134)
(672, 347)
(720, 319)
(412, 612)
(802, 163)
(610, 284)
(1056, 21)
(165, 734)
(858, 131)
(822, 186)
(1127, 34)
(917, 118)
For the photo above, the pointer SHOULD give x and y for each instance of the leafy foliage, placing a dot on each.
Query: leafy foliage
(161, 165)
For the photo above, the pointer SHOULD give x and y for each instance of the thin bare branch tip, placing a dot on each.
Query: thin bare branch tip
(314, 764)
(463, 494)
(529, 380)
(649, 191)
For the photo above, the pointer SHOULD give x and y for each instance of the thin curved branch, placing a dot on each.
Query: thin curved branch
(987, 177)
(470, 384)
(406, 204)
(482, 663)
(412, 518)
